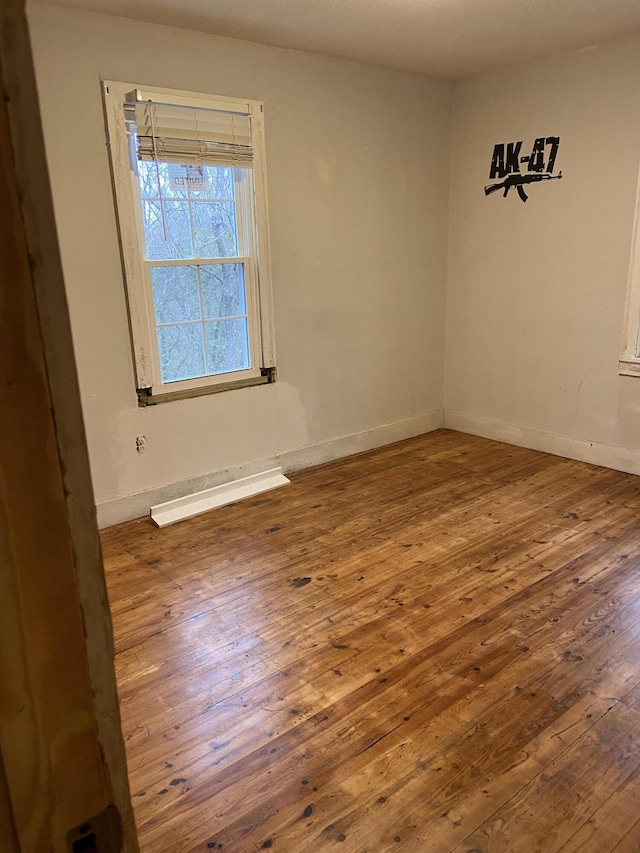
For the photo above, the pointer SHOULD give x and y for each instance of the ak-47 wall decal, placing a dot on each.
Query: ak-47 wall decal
(506, 162)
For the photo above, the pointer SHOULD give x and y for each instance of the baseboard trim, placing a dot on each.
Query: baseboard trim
(348, 445)
(604, 455)
(129, 507)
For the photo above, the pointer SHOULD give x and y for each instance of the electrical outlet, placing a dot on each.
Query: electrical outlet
(141, 443)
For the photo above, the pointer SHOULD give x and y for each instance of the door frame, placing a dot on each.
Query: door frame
(62, 760)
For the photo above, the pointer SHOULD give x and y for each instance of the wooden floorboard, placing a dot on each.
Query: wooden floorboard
(432, 646)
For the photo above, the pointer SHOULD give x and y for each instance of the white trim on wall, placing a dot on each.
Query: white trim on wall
(629, 363)
(129, 507)
(605, 455)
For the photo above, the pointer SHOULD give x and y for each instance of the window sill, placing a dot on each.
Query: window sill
(147, 398)
(629, 367)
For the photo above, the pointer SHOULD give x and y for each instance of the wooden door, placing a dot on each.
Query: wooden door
(63, 783)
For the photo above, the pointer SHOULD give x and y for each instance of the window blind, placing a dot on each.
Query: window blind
(186, 134)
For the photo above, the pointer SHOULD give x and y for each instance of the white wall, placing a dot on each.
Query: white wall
(358, 170)
(536, 291)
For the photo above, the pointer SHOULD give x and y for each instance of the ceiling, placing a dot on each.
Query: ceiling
(448, 38)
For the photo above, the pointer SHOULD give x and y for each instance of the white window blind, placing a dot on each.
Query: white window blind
(187, 134)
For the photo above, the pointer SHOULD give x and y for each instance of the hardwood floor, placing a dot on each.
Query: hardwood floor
(434, 646)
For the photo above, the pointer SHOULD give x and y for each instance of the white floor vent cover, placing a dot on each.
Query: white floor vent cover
(226, 493)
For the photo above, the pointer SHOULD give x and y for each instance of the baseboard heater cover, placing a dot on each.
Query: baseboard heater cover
(226, 493)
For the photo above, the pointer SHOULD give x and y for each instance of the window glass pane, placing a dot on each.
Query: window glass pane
(148, 179)
(181, 180)
(181, 352)
(220, 183)
(223, 292)
(169, 240)
(214, 227)
(227, 345)
(172, 180)
(176, 295)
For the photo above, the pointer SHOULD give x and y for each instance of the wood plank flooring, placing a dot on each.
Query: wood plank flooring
(433, 646)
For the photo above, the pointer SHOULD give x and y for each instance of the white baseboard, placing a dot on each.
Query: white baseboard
(348, 445)
(605, 455)
(128, 507)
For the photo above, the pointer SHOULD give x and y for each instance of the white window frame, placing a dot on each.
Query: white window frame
(629, 363)
(253, 239)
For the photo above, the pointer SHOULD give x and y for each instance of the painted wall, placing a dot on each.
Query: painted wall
(358, 171)
(536, 291)
(360, 161)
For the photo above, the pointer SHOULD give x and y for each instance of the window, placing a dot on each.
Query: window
(189, 180)
(629, 363)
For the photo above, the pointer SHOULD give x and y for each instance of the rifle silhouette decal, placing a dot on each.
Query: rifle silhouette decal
(516, 182)
(506, 160)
